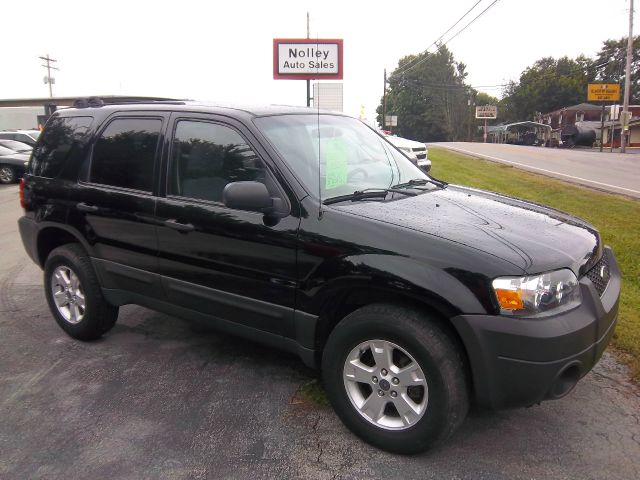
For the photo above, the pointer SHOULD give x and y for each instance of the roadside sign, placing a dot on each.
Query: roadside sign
(307, 59)
(614, 112)
(487, 111)
(391, 120)
(603, 92)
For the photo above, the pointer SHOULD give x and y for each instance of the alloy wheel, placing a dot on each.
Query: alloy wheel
(6, 175)
(385, 384)
(68, 294)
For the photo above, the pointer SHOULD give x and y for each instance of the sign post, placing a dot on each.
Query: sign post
(613, 116)
(603, 92)
(307, 59)
(391, 120)
(486, 112)
(602, 126)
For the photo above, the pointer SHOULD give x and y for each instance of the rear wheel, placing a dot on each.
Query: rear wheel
(395, 378)
(7, 174)
(74, 296)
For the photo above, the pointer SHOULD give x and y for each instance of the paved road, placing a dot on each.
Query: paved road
(160, 398)
(612, 172)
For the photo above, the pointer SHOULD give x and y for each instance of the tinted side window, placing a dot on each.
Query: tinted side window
(124, 154)
(60, 139)
(206, 157)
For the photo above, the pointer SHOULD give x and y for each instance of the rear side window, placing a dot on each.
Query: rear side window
(208, 156)
(61, 138)
(125, 152)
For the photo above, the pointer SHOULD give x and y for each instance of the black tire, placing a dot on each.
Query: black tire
(437, 355)
(99, 317)
(7, 175)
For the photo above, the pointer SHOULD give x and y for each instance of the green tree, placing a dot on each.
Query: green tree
(429, 95)
(485, 99)
(547, 85)
(613, 58)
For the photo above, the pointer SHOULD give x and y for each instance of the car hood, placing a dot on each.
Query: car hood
(404, 142)
(533, 237)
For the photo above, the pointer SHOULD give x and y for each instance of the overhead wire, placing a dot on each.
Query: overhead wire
(427, 54)
(426, 50)
(545, 75)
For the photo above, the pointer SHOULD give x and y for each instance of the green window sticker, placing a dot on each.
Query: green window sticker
(336, 163)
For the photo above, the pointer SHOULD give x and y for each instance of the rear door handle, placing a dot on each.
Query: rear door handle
(83, 207)
(181, 227)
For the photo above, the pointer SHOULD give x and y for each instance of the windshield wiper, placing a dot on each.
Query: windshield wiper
(421, 181)
(367, 193)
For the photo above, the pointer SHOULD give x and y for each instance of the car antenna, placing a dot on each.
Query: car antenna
(319, 143)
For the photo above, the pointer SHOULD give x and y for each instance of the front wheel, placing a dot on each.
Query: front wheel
(395, 378)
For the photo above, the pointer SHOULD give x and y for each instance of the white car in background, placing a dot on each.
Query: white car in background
(416, 151)
(30, 137)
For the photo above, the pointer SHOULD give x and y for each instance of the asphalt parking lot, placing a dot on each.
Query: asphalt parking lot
(162, 398)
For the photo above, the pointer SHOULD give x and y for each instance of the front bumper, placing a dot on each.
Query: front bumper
(520, 361)
(424, 164)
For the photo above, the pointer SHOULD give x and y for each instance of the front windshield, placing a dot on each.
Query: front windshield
(350, 155)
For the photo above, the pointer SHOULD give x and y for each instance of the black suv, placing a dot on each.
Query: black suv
(310, 232)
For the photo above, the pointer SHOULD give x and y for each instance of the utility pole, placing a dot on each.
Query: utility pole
(308, 81)
(384, 102)
(627, 85)
(49, 67)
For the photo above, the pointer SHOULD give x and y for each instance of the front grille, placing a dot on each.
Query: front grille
(599, 275)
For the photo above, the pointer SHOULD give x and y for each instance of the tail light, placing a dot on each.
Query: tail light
(23, 204)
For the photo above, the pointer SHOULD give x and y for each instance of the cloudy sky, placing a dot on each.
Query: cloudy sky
(222, 50)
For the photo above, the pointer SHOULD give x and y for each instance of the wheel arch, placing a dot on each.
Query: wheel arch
(346, 301)
(54, 236)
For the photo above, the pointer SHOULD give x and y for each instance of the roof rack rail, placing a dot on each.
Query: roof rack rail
(100, 102)
(161, 102)
(88, 102)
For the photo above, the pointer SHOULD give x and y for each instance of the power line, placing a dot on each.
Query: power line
(426, 50)
(471, 22)
(543, 76)
(426, 55)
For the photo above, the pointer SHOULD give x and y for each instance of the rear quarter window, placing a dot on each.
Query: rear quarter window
(124, 154)
(61, 138)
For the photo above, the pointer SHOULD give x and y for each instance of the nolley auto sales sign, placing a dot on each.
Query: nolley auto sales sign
(306, 59)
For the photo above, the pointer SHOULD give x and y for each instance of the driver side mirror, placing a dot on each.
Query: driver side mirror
(250, 196)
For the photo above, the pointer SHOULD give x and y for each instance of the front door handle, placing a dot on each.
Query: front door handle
(181, 227)
(83, 207)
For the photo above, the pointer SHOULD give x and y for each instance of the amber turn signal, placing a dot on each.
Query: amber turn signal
(509, 299)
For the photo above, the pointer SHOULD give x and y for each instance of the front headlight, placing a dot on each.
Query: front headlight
(538, 293)
(408, 152)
